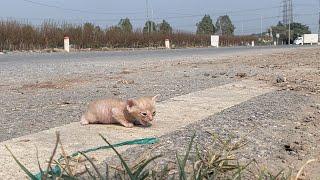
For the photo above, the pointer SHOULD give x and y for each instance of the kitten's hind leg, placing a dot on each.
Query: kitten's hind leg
(84, 121)
(88, 118)
(118, 115)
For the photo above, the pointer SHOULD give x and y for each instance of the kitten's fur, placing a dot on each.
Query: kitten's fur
(116, 111)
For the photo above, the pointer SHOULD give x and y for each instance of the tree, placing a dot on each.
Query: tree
(149, 27)
(296, 30)
(299, 29)
(205, 26)
(125, 25)
(165, 27)
(225, 26)
(88, 35)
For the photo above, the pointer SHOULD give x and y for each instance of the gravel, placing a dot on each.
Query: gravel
(41, 91)
(265, 122)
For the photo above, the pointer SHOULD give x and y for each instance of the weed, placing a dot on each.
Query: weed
(218, 162)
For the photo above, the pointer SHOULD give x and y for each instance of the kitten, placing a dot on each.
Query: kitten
(116, 111)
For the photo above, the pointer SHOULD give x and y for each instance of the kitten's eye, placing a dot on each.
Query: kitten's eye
(144, 114)
(154, 113)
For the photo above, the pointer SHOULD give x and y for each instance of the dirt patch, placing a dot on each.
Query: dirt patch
(59, 84)
(127, 71)
(68, 83)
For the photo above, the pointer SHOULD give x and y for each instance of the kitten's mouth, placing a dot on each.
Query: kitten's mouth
(145, 123)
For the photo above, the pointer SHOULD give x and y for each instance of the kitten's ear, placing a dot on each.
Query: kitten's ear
(131, 102)
(155, 98)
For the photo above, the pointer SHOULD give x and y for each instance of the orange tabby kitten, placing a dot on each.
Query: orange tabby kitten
(116, 111)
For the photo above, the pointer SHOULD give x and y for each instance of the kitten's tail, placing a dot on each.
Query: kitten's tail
(84, 121)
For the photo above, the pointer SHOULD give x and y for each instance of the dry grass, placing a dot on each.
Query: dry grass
(15, 35)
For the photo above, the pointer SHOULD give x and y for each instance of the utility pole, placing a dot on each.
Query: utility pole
(220, 26)
(290, 14)
(319, 25)
(151, 22)
(285, 12)
(242, 29)
(148, 21)
(261, 27)
(289, 32)
(271, 35)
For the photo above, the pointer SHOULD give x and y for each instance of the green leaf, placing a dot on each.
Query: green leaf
(141, 167)
(128, 170)
(22, 166)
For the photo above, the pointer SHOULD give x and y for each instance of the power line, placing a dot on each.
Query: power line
(169, 17)
(121, 13)
(77, 10)
(141, 19)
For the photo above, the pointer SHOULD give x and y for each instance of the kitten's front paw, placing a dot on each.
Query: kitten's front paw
(128, 125)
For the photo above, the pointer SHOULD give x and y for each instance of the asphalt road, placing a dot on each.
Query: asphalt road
(20, 68)
(41, 91)
(127, 55)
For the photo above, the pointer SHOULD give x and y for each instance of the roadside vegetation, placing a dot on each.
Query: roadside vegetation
(16, 35)
(216, 162)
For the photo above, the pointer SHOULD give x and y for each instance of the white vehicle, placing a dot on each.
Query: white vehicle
(307, 39)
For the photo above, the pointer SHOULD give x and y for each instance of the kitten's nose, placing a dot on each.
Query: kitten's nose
(150, 117)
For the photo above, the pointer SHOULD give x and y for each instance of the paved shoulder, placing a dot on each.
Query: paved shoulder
(173, 114)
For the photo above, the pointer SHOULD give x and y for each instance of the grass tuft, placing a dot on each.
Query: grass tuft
(216, 162)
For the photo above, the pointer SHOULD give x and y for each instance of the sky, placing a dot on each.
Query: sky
(248, 16)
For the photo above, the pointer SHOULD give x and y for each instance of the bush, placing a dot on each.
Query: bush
(16, 35)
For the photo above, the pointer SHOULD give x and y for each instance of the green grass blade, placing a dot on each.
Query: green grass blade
(143, 175)
(182, 163)
(140, 169)
(121, 159)
(49, 168)
(94, 166)
(163, 173)
(188, 150)
(40, 169)
(198, 173)
(22, 166)
(238, 173)
(278, 175)
(66, 177)
(182, 174)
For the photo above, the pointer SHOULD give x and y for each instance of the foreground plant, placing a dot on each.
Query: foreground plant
(62, 169)
(219, 162)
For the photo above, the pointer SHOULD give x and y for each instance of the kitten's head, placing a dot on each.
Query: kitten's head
(143, 109)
